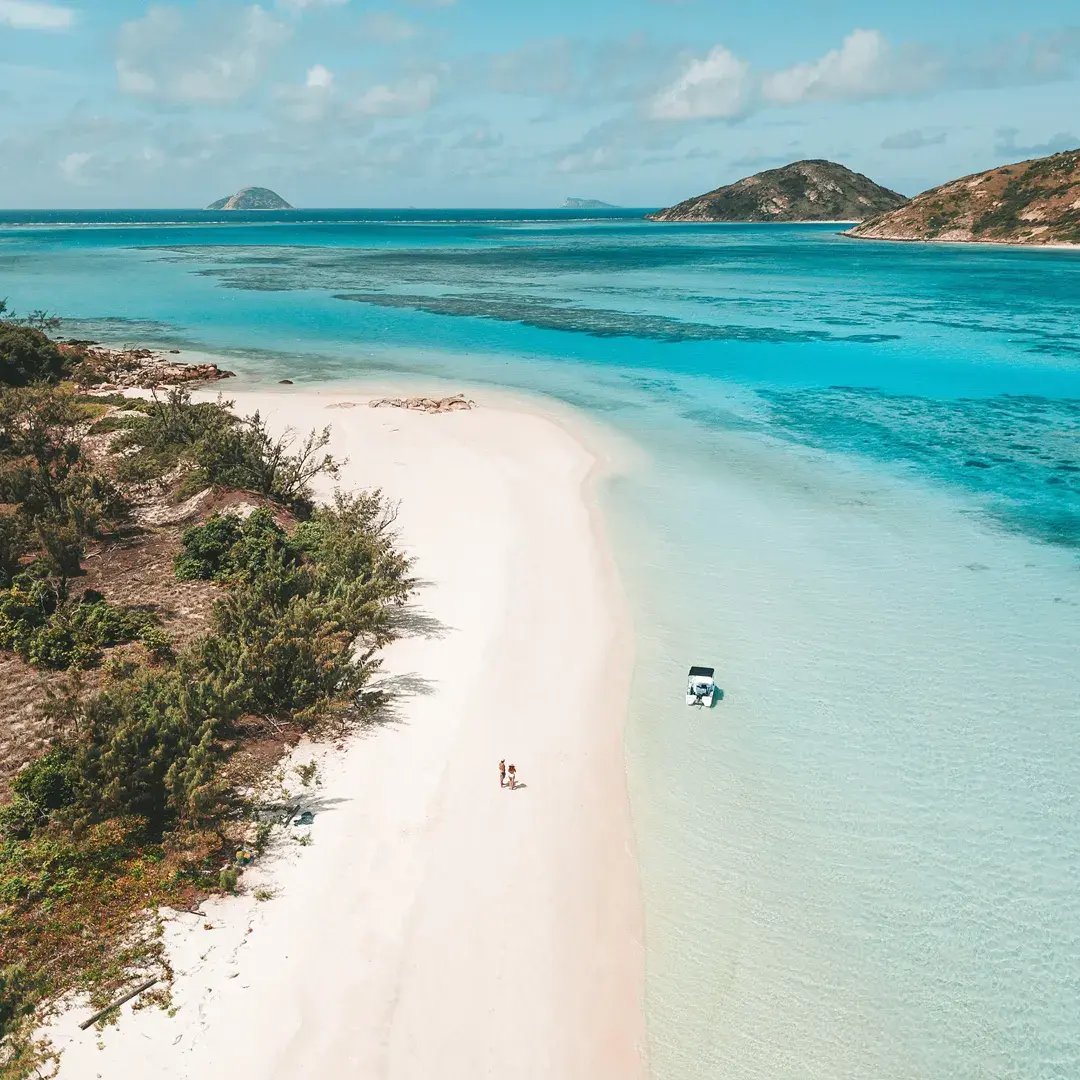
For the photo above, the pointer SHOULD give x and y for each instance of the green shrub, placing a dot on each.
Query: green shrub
(49, 783)
(148, 750)
(12, 547)
(18, 819)
(47, 630)
(219, 449)
(245, 455)
(28, 356)
(19, 992)
(60, 498)
(226, 547)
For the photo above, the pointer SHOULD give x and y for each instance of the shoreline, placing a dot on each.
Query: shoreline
(1027, 245)
(436, 925)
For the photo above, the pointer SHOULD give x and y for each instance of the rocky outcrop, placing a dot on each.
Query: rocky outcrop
(251, 198)
(1031, 202)
(454, 403)
(100, 369)
(802, 191)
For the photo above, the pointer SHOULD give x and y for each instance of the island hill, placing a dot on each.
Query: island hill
(252, 198)
(813, 190)
(574, 203)
(1031, 202)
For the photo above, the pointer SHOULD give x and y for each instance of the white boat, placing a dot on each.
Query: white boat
(700, 686)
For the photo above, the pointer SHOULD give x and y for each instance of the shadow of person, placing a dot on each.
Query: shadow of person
(519, 785)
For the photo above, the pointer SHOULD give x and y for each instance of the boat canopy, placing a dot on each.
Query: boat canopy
(702, 672)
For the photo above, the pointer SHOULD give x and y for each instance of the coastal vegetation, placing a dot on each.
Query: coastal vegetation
(157, 717)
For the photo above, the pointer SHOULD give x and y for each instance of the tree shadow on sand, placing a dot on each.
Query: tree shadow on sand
(390, 694)
(411, 620)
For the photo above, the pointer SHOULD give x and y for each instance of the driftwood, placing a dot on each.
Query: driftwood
(454, 403)
(117, 1003)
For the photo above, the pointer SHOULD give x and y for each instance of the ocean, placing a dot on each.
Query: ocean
(857, 496)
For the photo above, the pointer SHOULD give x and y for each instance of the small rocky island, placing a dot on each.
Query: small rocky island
(574, 203)
(252, 198)
(1032, 202)
(814, 190)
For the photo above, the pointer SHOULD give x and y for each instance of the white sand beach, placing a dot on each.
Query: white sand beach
(437, 926)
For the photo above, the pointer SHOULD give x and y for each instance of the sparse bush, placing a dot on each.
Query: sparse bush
(308, 774)
(219, 449)
(245, 455)
(60, 499)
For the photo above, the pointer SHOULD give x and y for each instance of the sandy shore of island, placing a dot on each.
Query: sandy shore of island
(1026, 245)
(436, 925)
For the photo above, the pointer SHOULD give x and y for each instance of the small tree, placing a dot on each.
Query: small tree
(245, 455)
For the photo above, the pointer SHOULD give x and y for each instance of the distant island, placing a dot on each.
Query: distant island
(587, 204)
(1031, 202)
(252, 198)
(814, 190)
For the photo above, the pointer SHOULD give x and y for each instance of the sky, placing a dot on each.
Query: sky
(497, 103)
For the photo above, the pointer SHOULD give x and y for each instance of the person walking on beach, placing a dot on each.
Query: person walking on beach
(502, 773)
(513, 776)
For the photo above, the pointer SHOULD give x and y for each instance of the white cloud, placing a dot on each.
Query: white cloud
(864, 66)
(403, 98)
(913, 139)
(312, 101)
(855, 69)
(479, 138)
(180, 57)
(717, 86)
(30, 15)
(73, 165)
(387, 28)
(319, 78)
(303, 5)
(596, 159)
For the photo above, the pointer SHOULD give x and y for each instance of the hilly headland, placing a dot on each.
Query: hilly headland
(1029, 202)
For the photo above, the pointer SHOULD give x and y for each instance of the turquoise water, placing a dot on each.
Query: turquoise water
(859, 496)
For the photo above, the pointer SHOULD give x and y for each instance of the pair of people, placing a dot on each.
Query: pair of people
(507, 775)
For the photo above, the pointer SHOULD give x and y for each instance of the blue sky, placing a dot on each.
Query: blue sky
(489, 103)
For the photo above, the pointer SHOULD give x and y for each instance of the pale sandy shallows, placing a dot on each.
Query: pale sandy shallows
(437, 926)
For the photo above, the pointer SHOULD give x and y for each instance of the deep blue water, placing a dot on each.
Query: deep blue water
(859, 496)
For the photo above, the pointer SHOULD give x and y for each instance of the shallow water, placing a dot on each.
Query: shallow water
(859, 497)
